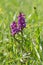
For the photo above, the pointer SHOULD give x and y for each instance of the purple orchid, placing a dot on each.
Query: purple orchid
(21, 21)
(14, 28)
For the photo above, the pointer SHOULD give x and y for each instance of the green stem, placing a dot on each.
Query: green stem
(22, 36)
(22, 39)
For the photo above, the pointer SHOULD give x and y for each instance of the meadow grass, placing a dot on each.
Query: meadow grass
(29, 52)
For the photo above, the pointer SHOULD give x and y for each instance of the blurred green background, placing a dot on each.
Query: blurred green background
(9, 10)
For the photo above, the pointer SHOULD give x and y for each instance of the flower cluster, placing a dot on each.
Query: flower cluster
(17, 27)
(21, 21)
(14, 28)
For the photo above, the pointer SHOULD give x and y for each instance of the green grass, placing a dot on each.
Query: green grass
(11, 52)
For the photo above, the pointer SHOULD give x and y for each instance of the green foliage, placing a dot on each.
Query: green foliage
(13, 52)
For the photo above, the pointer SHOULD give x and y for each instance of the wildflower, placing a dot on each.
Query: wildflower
(21, 21)
(14, 28)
